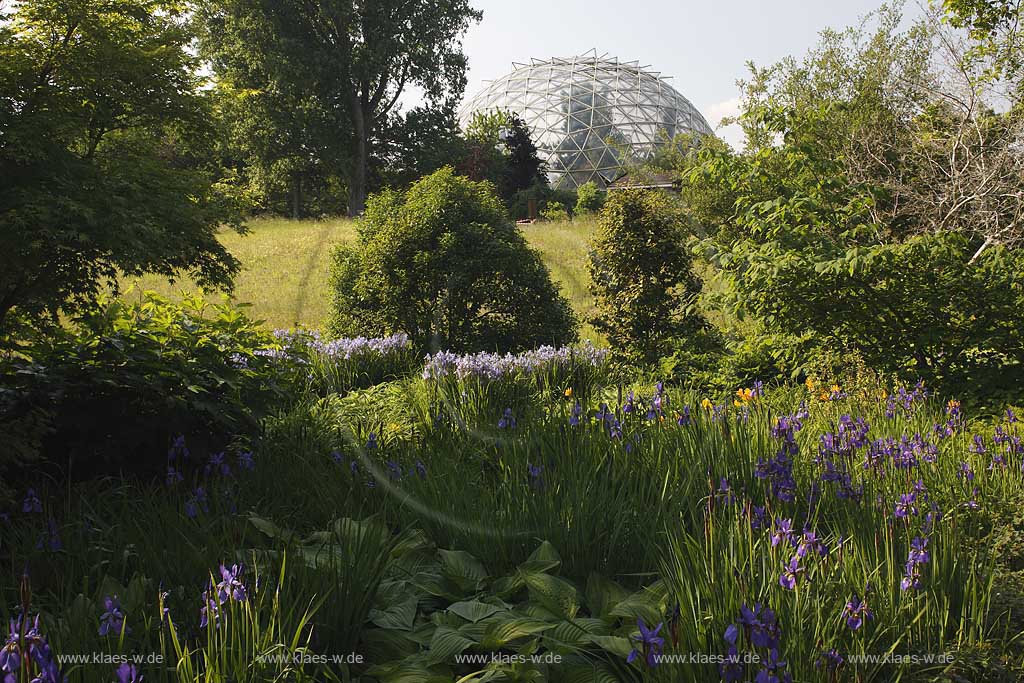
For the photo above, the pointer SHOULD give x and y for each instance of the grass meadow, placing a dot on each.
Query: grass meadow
(285, 262)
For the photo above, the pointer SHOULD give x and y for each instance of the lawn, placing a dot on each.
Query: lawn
(285, 262)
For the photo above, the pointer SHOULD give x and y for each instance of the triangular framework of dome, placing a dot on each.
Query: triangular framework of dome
(589, 114)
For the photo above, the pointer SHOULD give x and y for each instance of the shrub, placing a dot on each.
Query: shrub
(642, 277)
(442, 263)
(588, 198)
(113, 389)
(554, 211)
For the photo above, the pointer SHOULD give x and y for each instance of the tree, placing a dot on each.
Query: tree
(355, 58)
(525, 168)
(498, 148)
(642, 276)
(417, 143)
(877, 206)
(104, 154)
(442, 263)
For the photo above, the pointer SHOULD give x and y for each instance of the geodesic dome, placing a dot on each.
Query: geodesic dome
(590, 114)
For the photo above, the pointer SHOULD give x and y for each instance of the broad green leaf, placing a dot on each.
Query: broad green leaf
(462, 568)
(500, 633)
(474, 611)
(557, 595)
(446, 643)
(603, 594)
(399, 615)
(543, 559)
(617, 645)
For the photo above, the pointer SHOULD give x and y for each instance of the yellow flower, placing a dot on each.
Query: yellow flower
(809, 384)
(568, 392)
(836, 389)
(706, 404)
(737, 403)
(746, 395)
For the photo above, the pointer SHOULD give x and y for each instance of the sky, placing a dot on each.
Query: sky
(703, 45)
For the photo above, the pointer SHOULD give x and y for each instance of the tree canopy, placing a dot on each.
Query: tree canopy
(104, 164)
(350, 61)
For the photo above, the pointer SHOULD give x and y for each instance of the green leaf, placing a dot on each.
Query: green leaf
(446, 643)
(557, 595)
(603, 594)
(501, 633)
(543, 559)
(473, 610)
(462, 568)
(617, 645)
(398, 616)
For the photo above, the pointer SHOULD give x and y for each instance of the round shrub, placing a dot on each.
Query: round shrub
(442, 263)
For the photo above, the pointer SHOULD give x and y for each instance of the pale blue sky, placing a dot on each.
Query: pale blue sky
(703, 45)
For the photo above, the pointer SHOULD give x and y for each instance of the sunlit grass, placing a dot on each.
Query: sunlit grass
(285, 262)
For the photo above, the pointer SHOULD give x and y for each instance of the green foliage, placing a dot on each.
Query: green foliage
(442, 263)
(498, 148)
(106, 168)
(642, 275)
(462, 538)
(114, 389)
(816, 240)
(554, 211)
(519, 204)
(525, 168)
(588, 198)
(343, 67)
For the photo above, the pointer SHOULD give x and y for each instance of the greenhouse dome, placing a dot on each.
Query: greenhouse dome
(590, 114)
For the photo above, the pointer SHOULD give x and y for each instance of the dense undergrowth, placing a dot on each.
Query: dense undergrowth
(395, 516)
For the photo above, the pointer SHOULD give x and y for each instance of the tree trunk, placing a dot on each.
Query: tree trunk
(297, 196)
(357, 178)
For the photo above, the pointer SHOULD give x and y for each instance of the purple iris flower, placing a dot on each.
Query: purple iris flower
(534, 473)
(128, 673)
(761, 626)
(246, 461)
(173, 476)
(231, 586)
(507, 421)
(684, 417)
(731, 670)
(371, 442)
(196, 503)
(856, 612)
(759, 518)
(628, 407)
(112, 619)
(650, 644)
(577, 412)
(783, 532)
(217, 465)
(810, 542)
(830, 660)
(789, 573)
(31, 502)
(906, 506)
(773, 670)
